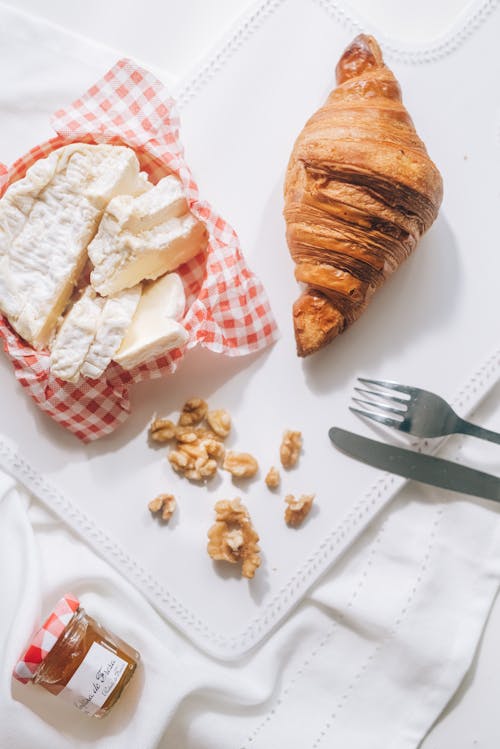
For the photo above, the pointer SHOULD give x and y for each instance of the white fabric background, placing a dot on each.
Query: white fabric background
(368, 660)
(371, 656)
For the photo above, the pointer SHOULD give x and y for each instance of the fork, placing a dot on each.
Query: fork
(413, 410)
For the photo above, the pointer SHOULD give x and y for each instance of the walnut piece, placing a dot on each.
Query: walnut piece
(191, 434)
(178, 460)
(193, 411)
(164, 503)
(162, 430)
(291, 446)
(240, 465)
(197, 452)
(202, 469)
(214, 448)
(297, 509)
(220, 422)
(186, 435)
(193, 460)
(199, 447)
(273, 478)
(232, 538)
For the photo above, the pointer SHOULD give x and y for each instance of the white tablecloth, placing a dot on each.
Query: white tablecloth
(369, 659)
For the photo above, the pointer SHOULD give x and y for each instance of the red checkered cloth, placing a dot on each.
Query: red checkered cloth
(45, 638)
(227, 308)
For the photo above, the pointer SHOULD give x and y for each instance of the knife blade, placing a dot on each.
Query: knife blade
(417, 466)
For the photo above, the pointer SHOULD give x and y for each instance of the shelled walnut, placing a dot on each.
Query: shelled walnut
(291, 445)
(194, 460)
(193, 411)
(272, 478)
(199, 447)
(220, 422)
(192, 434)
(162, 430)
(164, 503)
(240, 465)
(297, 509)
(214, 448)
(232, 538)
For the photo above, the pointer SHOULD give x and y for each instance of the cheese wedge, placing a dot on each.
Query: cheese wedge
(155, 329)
(114, 321)
(47, 220)
(75, 336)
(143, 238)
(91, 333)
(164, 298)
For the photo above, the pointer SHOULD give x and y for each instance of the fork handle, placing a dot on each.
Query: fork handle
(465, 427)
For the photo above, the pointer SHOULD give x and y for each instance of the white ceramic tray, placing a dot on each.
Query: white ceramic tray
(434, 324)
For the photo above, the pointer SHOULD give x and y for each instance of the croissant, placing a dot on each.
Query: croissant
(360, 191)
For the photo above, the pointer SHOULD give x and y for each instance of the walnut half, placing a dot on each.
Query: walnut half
(240, 465)
(291, 445)
(220, 422)
(232, 538)
(297, 509)
(194, 460)
(162, 430)
(164, 503)
(193, 411)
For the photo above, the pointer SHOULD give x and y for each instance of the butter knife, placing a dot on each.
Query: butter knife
(417, 466)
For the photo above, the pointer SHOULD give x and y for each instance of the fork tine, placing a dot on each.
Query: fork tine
(389, 384)
(379, 406)
(386, 420)
(379, 394)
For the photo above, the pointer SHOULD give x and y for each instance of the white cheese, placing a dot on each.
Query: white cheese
(47, 220)
(114, 321)
(164, 297)
(117, 174)
(75, 336)
(91, 333)
(143, 238)
(154, 329)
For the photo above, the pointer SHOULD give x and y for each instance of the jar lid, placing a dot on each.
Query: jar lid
(45, 638)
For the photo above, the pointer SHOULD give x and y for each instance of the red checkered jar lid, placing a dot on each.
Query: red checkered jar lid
(45, 638)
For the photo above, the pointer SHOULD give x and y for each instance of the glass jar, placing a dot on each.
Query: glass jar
(77, 659)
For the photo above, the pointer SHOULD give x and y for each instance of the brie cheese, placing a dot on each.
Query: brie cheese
(91, 333)
(154, 329)
(143, 238)
(163, 298)
(114, 321)
(75, 336)
(47, 220)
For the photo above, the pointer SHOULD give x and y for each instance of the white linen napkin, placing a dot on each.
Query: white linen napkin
(368, 659)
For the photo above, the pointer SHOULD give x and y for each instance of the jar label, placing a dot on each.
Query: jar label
(94, 680)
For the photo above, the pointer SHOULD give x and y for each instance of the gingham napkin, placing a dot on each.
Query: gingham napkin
(227, 308)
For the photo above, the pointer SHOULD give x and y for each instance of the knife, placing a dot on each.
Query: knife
(417, 466)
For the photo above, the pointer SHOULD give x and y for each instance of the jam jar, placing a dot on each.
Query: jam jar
(77, 659)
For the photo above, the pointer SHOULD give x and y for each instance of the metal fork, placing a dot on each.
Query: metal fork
(413, 410)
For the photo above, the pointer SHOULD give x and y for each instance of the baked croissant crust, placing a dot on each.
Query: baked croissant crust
(360, 191)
